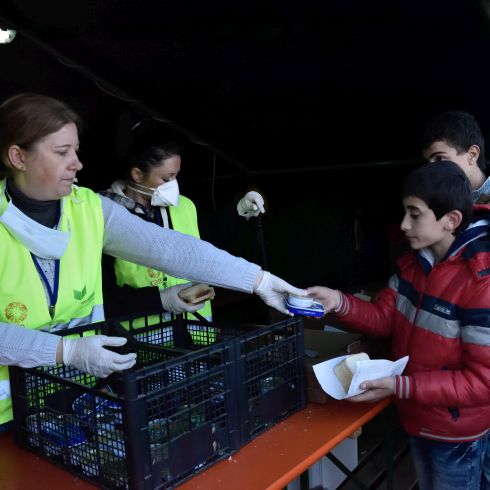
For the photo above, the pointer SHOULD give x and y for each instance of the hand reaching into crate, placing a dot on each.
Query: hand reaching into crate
(89, 355)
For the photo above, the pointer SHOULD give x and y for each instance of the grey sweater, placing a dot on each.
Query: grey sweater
(131, 238)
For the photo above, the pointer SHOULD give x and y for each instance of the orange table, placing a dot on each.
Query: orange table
(22, 470)
(270, 461)
(278, 456)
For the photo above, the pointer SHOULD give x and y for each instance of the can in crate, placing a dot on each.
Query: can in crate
(88, 403)
(85, 456)
(187, 418)
(114, 471)
(269, 383)
(159, 453)
(197, 416)
(56, 431)
(106, 423)
(71, 434)
(32, 426)
(112, 441)
(158, 431)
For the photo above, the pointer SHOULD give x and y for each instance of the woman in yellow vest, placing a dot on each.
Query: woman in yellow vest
(151, 192)
(52, 236)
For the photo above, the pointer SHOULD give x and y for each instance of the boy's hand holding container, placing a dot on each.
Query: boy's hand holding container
(331, 299)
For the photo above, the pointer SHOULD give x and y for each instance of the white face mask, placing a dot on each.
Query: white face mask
(47, 243)
(166, 194)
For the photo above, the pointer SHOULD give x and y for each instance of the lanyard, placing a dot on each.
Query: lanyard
(52, 293)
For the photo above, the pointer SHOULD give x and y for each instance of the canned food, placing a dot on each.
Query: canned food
(88, 404)
(32, 425)
(269, 383)
(114, 471)
(112, 442)
(55, 431)
(159, 453)
(85, 456)
(158, 430)
(60, 431)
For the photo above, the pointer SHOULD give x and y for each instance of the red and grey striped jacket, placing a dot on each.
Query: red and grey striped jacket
(438, 315)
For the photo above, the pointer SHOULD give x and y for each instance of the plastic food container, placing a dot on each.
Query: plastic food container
(301, 305)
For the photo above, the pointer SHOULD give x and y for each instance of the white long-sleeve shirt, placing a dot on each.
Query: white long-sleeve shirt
(131, 238)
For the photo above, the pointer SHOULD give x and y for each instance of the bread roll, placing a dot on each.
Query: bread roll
(197, 293)
(345, 370)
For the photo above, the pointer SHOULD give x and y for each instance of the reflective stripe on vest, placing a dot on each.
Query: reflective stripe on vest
(22, 295)
(184, 219)
(4, 390)
(95, 316)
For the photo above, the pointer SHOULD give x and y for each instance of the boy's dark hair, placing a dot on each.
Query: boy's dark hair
(458, 129)
(444, 187)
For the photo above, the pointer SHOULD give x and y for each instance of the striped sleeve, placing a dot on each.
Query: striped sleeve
(344, 306)
(403, 386)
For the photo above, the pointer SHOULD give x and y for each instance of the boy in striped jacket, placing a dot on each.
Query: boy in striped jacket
(436, 309)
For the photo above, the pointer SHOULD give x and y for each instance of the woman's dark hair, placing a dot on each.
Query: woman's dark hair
(27, 118)
(444, 187)
(145, 155)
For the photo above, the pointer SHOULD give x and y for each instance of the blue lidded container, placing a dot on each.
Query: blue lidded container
(299, 305)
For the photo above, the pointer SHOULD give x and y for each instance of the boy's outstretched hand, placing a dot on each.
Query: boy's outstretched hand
(377, 389)
(329, 298)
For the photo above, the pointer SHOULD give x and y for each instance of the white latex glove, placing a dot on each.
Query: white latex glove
(273, 291)
(172, 302)
(88, 355)
(250, 205)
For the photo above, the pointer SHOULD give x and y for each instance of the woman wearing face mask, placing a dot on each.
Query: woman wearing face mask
(151, 192)
(52, 236)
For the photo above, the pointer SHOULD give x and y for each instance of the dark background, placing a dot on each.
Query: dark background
(319, 104)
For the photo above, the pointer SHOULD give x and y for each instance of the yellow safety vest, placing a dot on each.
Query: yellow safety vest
(22, 293)
(184, 219)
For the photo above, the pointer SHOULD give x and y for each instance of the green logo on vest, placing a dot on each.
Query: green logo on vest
(80, 294)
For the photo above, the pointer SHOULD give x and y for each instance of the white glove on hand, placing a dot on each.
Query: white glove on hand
(88, 355)
(273, 292)
(250, 205)
(172, 302)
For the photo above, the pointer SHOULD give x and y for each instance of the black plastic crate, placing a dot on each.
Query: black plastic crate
(270, 361)
(150, 427)
(271, 375)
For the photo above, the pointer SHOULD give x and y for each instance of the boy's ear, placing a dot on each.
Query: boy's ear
(453, 220)
(474, 153)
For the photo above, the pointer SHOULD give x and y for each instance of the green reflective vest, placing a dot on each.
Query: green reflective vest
(22, 293)
(184, 219)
